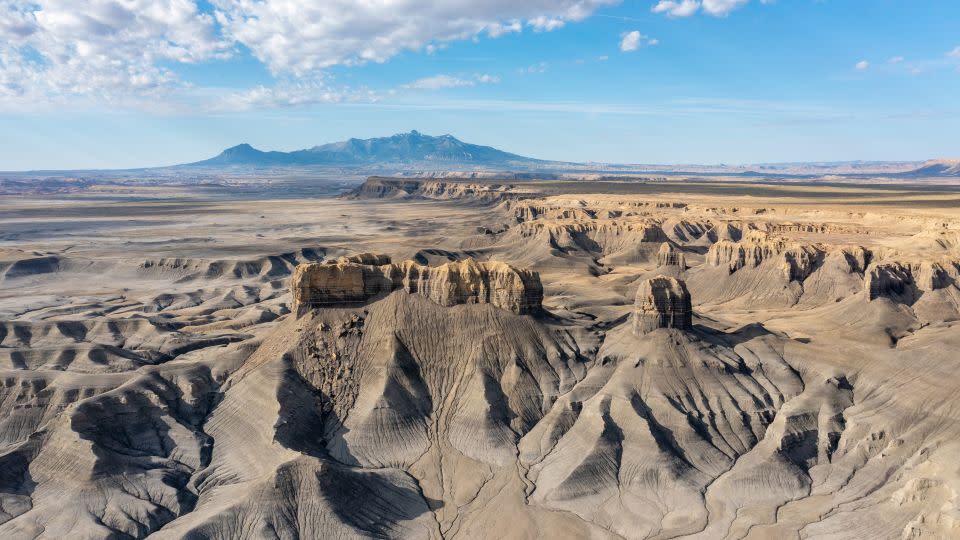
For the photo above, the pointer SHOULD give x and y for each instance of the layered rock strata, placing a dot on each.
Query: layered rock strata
(662, 302)
(451, 189)
(797, 260)
(670, 256)
(464, 282)
(907, 281)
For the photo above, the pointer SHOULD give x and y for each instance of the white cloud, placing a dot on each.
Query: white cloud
(304, 36)
(895, 60)
(677, 8)
(631, 41)
(539, 67)
(440, 82)
(53, 49)
(955, 53)
(720, 8)
(861, 65)
(496, 30)
(686, 8)
(287, 95)
(546, 24)
(111, 50)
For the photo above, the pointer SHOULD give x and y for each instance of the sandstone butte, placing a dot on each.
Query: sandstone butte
(364, 277)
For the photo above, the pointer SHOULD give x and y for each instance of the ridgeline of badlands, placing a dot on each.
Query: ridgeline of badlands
(435, 356)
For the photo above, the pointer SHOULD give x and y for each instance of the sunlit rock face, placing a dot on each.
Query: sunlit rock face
(670, 256)
(465, 282)
(662, 302)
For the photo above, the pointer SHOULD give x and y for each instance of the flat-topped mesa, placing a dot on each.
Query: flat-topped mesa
(670, 256)
(662, 302)
(463, 282)
(376, 187)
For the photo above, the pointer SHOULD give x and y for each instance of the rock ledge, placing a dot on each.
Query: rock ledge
(349, 280)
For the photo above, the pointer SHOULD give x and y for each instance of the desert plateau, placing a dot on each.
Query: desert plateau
(463, 358)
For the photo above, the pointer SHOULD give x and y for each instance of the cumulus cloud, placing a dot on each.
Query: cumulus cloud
(631, 41)
(861, 65)
(720, 8)
(686, 8)
(955, 53)
(302, 36)
(58, 48)
(895, 60)
(107, 49)
(677, 8)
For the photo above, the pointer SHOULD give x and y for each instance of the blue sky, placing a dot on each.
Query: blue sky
(104, 83)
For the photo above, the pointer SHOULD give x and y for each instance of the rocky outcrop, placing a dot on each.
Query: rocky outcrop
(530, 212)
(891, 280)
(670, 256)
(376, 187)
(662, 302)
(621, 241)
(905, 282)
(465, 282)
(582, 210)
(797, 261)
(769, 270)
(363, 258)
(384, 188)
(29, 266)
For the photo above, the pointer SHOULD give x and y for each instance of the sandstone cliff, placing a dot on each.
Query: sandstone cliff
(906, 281)
(377, 187)
(796, 261)
(662, 302)
(670, 256)
(346, 281)
(548, 244)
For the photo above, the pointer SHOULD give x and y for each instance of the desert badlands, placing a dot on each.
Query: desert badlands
(443, 358)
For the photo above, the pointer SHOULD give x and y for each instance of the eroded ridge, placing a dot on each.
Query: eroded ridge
(464, 282)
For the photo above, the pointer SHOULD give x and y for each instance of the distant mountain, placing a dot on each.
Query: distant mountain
(936, 167)
(412, 147)
(419, 152)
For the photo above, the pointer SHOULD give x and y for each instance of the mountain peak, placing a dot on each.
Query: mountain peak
(410, 147)
(242, 147)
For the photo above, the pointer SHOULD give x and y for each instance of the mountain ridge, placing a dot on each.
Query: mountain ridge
(410, 147)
